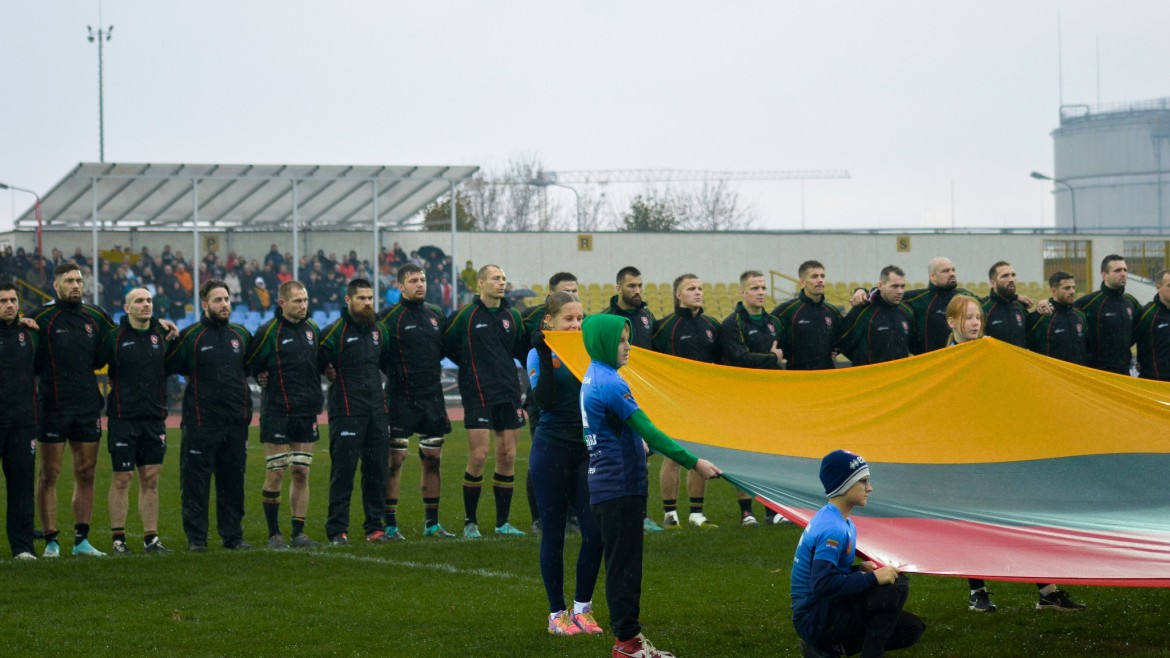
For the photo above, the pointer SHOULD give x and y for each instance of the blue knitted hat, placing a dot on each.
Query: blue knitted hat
(840, 470)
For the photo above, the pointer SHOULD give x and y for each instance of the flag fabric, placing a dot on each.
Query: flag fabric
(987, 461)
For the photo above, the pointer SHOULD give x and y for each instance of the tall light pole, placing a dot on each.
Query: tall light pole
(100, 36)
(549, 179)
(37, 212)
(1072, 194)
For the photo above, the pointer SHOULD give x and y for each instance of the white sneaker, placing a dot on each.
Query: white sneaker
(779, 519)
(670, 521)
(639, 647)
(25, 555)
(749, 521)
(697, 520)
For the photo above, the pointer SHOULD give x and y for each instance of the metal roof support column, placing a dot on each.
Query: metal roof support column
(294, 267)
(376, 265)
(95, 267)
(195, 261)
(455, 272)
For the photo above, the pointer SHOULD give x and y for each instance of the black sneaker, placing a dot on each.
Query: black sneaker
(120, 548)
(155, 546)
(980, 601)
(1058, 600)
(197, 548)
(339, 540)
(277, 542)
(240, 546)
(303, 541)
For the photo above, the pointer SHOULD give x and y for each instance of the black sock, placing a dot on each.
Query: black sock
(119, 534)
(51, 535)
(392, 511)
(502, 488)
(431, 510)
(298, 525)
(271, 500)
(80, 533)
(696, 505)
(471, 486)
(669, 505)
(745, 506)
(149, 538)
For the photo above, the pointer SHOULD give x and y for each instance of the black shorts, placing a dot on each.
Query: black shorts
(426, 417)
(283, 430)
(86, 428)
(498, 417)
(136, 443)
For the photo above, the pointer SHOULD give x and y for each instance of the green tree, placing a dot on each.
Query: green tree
(437, 216)
(648, 215)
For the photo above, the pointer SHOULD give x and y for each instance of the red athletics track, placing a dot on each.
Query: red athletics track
(454, 413)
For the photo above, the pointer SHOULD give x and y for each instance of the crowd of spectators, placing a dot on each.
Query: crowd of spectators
(252, 282)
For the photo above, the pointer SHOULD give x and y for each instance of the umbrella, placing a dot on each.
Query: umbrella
(431, 253)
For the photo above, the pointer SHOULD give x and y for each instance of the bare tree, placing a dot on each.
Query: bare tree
(713, 206)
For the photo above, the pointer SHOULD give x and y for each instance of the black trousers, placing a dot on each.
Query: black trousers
(222, 452)
(872, 622)
(351, 439)
(18, 450)
(620, 522)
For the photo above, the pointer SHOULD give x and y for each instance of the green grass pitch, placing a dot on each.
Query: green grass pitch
(714, 593)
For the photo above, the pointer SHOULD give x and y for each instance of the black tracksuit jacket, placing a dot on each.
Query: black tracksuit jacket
(877, 332)
(808, 332)
(414, 350)
(67, 356)
(746, 342)
(641, 323)
(355, 352)
(18, 362)
(690, 336)
(1113, 317)
(1005, 319)
(211, 354)
(485, 344)
(287, 351)
(137, 372)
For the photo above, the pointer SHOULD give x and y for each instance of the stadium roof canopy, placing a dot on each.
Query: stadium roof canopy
(243, 197)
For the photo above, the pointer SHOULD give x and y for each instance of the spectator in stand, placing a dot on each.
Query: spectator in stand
(260, 299)
(179, 259)
(166, 257)
(233, 283)
(184, 277)
(399, 255)
(179, 298)
(79, 257)
(274, 257)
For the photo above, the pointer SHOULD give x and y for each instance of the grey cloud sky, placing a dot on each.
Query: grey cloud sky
(908, 96)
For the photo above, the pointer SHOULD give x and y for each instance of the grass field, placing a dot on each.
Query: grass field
(709, 594)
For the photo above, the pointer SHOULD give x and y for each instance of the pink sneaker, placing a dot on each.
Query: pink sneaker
(562, 624)
(587, 624)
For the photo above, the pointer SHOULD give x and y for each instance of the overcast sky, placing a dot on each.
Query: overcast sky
(909, 97)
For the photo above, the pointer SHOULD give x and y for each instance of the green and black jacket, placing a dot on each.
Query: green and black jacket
(877, 332)
(414, 350)
(211, 355)
(641, 323)
(137, 371)
(287, 351)
(18, 363)
(1113, 316)
(484, 343)
(1005, 319)
(688, 335)
(1153, 341)
(929, 306)
(67, 356)
(746, 340)
(1060, 335)
(808, 332)
(355, 352)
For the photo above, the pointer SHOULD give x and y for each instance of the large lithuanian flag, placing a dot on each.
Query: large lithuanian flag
(987, 461)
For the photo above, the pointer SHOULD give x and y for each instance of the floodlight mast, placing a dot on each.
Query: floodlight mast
(100, 36)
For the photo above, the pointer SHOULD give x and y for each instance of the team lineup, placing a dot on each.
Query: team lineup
(385, 387)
